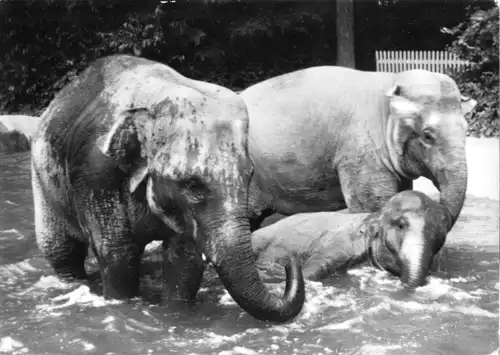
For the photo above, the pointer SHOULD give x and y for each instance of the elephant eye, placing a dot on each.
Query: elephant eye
(428, 136)
(195, 187)
(399, 223)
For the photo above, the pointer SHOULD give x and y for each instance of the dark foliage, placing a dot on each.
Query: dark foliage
(44, 43)
(477, 41)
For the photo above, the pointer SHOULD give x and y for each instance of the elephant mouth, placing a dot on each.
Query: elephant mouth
(372, 257)
(206, 261)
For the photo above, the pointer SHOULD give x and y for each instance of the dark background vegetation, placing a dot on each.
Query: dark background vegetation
(44, 43)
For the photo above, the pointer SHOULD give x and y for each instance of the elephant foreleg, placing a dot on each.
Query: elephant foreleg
(365, 190)
(63, 248)
(183, 269)
(63, 251)
(117, 248)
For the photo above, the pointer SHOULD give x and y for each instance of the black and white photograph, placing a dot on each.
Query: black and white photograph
(249, 177)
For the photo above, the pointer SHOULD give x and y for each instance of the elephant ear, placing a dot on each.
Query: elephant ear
(467, 104)
(123, 144)
(402, 115)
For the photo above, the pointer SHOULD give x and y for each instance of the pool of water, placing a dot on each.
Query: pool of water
(361, 312)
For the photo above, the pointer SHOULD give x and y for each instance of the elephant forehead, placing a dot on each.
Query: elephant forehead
(406, 201)
(427, 87)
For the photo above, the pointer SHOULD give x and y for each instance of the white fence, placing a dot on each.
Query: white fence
(436, 61)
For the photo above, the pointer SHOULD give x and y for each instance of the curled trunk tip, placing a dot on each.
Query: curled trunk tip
(242, 280)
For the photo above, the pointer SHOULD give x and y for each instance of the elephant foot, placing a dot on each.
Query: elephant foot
(183, 268)
(120, 272)
(94, 283)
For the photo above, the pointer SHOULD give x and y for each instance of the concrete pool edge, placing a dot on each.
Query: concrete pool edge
(483, 163)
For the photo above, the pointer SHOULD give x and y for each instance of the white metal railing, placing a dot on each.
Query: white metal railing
(436, 61)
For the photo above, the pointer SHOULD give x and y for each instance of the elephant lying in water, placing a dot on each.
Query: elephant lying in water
(329, 138)
(402, 238)
(130, 152)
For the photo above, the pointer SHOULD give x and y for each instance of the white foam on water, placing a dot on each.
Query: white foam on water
(319, 298)
(375, 349)
(18, 234)
(383, 306)
(296, 327)
(348, 324)
(370, 278)
(238, 350)
(140, 326)
(476, 311)
(11, 203)
(414, 306)
(110, 322)
(227, 300)
(154, 246)
(81, 296)
(10, 273)
(44, 284)
(437, 288)
(478, 292)
(460, 279)
(86, 345)
(8, 345)
(108, 319)
(215, 340)
(488, 262)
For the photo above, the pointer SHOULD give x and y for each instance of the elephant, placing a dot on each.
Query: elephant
(16, 132)
(132, 151)
(403, 238)
(327, 138)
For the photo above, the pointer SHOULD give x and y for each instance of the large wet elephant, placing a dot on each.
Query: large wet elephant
(328, 138)
(402, 238)
(131, 151)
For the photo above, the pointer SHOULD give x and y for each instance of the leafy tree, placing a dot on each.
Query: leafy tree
(345, 33)
(477, 41)
(45, 43)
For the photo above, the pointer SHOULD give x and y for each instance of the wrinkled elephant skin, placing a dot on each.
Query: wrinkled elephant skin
(403, 238)
(130, 152)
(328, 138)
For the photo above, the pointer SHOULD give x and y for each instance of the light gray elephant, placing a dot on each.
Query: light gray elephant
(403, 238)
(328, 138)
(132, 151)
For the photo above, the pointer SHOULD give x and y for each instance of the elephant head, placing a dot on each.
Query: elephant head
(187, 153)
(406, 234)
(426, 132)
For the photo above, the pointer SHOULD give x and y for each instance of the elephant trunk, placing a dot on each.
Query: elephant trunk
(452, 184)
(234, 260)
(416, 257)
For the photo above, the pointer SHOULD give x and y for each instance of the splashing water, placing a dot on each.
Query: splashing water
(363, 311)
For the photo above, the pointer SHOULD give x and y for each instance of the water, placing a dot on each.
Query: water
(362, 312)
